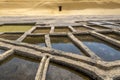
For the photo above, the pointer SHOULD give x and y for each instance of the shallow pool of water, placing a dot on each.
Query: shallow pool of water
(18, 68)
(42, 30)
(10, 36)
(113, 35)
(2, 51)
(104, 50)
(57, 72)
(37, 40)
(64, 44)
(15, 28)
(62, 29)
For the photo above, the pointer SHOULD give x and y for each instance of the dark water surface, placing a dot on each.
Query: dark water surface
(64, 44)
(2, 51)
(18, 68)
(104, 50)
(57, 72)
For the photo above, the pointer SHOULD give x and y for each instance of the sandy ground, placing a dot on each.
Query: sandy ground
(50, 7)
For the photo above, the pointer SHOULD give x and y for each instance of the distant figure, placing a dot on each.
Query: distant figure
(60, 8)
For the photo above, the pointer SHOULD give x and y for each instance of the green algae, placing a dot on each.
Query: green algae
(15, 28)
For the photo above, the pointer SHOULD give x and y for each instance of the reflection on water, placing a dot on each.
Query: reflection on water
(17, 68)
(37, 40)
(98, 27)
(81, 28)
(62, 29)
(10, 36)
(113, 35)
(42, 30)
(2, 51)
(57, 72)
(64, 44)
(15, 28)
(104, 50)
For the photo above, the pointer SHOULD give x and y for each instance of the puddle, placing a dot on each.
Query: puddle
(15, 28)
(10, 36)
(104, 50)
(81, 28)
(2, 51)
(62, 29)
(64, 44)
(57, 72)
(18, 68)
(112, 35)
(42, 30)
(98, 27)
(37, 40)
